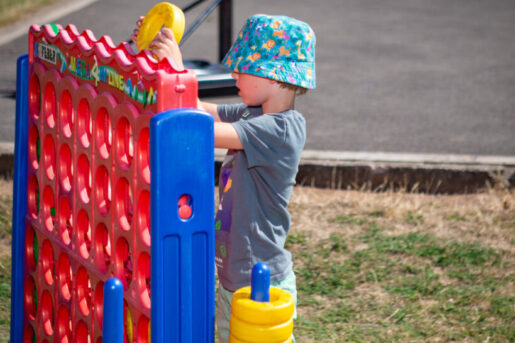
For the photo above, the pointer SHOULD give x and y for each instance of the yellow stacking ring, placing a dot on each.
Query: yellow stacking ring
(278, 310)
(233, 339)
(251, 333)
(162, 14)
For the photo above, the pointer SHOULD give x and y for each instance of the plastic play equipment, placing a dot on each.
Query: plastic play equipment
(94, 121)
(163, 14)
(260, 313)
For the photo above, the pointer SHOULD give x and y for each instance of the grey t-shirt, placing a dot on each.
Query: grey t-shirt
(255, 184)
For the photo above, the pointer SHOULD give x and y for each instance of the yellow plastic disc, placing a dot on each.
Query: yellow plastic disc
(260, 333)
(279, 310)
(233, 339)
(163, 14)
(128, 323)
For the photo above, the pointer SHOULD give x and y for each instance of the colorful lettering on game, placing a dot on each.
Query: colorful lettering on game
(83, 69)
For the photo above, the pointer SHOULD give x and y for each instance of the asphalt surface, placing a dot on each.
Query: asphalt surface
(394, 76)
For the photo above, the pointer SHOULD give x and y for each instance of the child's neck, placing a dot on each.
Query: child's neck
(282, 100)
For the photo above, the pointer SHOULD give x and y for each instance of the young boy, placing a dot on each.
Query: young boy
(272, 60)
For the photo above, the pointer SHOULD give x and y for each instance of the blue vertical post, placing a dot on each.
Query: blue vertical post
(182, 249)
(19, 198)
(112, 320)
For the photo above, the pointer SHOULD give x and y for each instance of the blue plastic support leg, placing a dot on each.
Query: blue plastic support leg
(182, 263)
(19, 198)
(112, 320)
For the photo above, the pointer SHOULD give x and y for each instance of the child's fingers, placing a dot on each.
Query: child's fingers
(139, 22)
(134, 35)
(166, 32)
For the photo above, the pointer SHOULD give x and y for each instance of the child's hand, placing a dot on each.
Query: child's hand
(165, 45)
(135, 32)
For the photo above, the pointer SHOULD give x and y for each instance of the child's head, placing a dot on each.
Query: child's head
(275, 47)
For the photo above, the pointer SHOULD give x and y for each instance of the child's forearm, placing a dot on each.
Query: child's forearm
(209, 107)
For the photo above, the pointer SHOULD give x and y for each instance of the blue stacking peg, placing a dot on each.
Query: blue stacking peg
(260, 284)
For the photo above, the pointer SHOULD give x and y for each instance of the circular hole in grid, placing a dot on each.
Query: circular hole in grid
(144, 155)
(185, 207)
(49, 105)
(34, 96)
(82, 334)
(84, 123)
(47, 313)
(123, 262)
(28, 334)
(124, 143)
(49, 156)
(47, 262)
(103, 190)
(30, 298)
(65, 220)
(99, 303)
(123, 203)
(83, 234)
(83, 178)
(64, 276)
(143, 278)
(143, 335)
(31, 249)
(83, 291)
(33, 196)
(102, 247)
(103, 133)
(34, 147)
(64, 325)
(66, 114)
(48, 208)
(143, 215)
(65, 167)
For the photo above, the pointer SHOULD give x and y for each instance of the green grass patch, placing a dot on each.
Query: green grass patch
(422, 288)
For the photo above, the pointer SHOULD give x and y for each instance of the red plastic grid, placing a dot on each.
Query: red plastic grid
(88, 213)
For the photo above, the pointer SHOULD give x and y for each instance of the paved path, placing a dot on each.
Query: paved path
(395, 76)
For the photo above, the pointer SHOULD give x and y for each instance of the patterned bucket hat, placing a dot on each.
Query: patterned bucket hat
(276, 47)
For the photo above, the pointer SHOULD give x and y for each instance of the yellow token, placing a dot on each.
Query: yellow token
(162, 14)
(128, 323)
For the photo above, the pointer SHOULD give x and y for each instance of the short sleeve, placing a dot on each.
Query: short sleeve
(262, 138)
(230, 113)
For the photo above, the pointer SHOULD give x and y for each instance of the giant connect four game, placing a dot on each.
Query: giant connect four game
(113, 178)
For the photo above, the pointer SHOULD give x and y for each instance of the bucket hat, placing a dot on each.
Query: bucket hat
(276, 47)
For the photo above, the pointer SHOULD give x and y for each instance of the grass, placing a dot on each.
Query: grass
(398, 267)
(385, 267)
(12, 10)
(5, 258)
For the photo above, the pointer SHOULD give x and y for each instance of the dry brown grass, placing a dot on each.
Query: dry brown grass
(12, 10)
(314, 210)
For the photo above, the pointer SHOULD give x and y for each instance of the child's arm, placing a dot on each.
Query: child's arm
(164, 44)
(226, 137)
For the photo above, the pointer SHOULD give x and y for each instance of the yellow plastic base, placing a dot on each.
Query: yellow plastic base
(162, 14)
